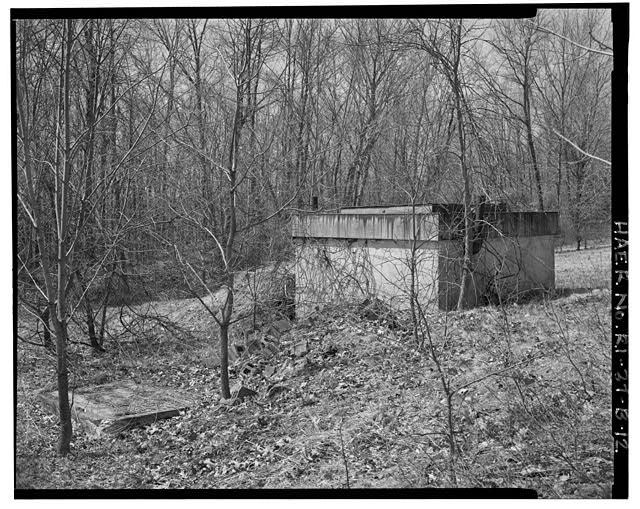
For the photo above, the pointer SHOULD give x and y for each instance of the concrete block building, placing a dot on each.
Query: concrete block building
(384, 252)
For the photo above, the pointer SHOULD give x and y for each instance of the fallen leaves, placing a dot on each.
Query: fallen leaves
(521, 413)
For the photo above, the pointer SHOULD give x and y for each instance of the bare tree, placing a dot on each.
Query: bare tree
(575, 96)
(55, 285)
(69, 258)
(242, 54)
(444, 41)
(517, 42)
(375, 82)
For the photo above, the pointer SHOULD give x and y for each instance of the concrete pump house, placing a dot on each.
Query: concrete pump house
(384, 252)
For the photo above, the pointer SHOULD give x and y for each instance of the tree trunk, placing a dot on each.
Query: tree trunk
(64, 408)
(44, 318)
(224, 347)
(526, 88)
(466, 194)
(91, 326)
(234, 147)
(60, 310)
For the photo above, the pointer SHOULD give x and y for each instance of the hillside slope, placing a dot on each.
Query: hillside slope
(344, 397)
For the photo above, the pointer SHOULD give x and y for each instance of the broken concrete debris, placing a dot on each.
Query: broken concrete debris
(300, 365)
(278, 328)
(261, 341)
(300, 348)
(276, 389)
(241, 392)
(268, 371)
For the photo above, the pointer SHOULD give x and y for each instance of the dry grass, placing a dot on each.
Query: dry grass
(587, 268)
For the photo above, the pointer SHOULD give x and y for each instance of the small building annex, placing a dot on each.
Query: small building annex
(384, 252)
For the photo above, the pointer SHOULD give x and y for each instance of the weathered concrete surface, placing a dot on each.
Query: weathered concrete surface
(119, 405)
(392, 209)
(505, 267)
(329, 271)
(499, 224)
(336, 271)
(367, 252)
(367, 226)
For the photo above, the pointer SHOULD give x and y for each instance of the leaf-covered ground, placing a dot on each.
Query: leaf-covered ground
(346, 401)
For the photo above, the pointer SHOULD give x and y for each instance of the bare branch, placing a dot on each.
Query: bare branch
(580, 150)
(593, 50)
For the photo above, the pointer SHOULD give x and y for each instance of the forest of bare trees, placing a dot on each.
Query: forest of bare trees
(135, 132)
(157, 154)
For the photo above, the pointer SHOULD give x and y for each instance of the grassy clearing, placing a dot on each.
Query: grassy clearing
(588, 268)
(533, 409)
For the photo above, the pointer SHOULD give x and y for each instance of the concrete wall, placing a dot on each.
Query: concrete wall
(334, 271)
(366, 226)
(351, 256)
(329, 271)
(393, 209)
(505, 267)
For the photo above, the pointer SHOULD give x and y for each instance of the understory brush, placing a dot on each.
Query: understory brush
(362, 407)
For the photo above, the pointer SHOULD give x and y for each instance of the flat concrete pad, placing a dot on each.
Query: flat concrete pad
(116, 406)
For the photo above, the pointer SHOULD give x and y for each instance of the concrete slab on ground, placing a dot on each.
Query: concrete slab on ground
(116, 406)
